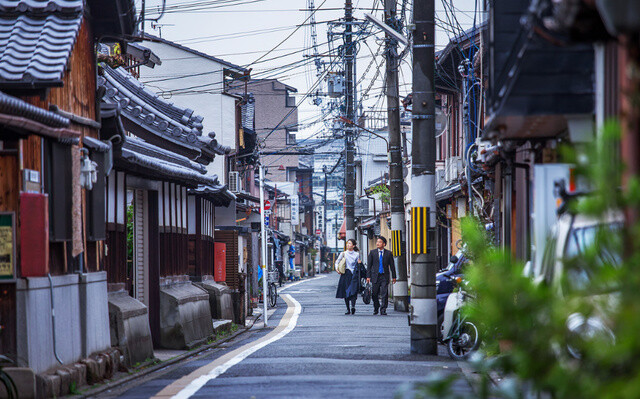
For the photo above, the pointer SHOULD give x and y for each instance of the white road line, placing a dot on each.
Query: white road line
(302, 281)
(245, 351)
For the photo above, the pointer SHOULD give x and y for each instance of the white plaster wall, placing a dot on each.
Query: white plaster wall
(206, 100)
(226, 216)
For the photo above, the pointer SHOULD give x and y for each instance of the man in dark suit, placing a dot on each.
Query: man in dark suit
(381, 266)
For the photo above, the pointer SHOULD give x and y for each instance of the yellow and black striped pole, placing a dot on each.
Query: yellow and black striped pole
(419, 232)
(423, 313)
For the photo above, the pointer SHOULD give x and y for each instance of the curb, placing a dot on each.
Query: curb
(144, 372)
(474, 378)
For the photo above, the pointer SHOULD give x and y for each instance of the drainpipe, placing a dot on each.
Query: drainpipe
(527, 169)
(53, 320)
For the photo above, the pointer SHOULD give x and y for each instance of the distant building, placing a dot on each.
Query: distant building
(276, 122)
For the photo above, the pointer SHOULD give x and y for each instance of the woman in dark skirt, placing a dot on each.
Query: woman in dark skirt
(349, 281)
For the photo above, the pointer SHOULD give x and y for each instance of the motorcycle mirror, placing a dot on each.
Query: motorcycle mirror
(453, 259)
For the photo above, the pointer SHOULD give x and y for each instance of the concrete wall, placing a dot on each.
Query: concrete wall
(94, 312)
(81, 319)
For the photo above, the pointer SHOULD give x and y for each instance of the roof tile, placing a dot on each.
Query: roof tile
(36, 39)
(162, 118)
(41, 6)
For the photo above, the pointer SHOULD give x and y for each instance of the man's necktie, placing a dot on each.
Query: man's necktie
(380, 270)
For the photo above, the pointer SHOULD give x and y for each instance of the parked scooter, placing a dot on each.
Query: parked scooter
(461, 336)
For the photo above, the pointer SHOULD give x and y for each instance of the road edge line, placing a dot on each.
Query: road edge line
(197, 379)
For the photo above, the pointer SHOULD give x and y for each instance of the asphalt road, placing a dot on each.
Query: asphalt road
(327, 354)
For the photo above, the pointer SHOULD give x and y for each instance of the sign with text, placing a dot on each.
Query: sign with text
(7, 245)
(267, 205)
(295, 210)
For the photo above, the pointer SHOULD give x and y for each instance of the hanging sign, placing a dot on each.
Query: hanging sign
(295, 210)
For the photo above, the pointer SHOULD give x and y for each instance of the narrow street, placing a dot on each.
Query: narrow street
(327, 354)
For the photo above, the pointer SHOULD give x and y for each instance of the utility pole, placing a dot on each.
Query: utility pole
(401, 288)
(350, 178)
(336, 229)
(466, 70)
(263, 230)
(324, 207)
(423, 316)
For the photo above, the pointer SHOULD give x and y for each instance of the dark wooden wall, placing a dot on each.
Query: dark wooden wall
(9, 182)
(8, 203)
(115, 259)
(230, 238)
(174, 237)
(201, 244)
(78, 93)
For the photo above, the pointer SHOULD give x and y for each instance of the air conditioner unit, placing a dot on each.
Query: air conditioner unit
(234, 182)
(441, 182)
(362, 208)
(453, 168)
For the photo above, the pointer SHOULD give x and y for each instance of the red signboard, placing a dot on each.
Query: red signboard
(267, 205)
(34, 235)
(318, 232)
(220, 262)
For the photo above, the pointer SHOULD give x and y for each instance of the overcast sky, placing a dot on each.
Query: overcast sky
(243, 31)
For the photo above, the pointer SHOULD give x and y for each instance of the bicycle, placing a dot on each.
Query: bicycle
(272, 277)
(7, 381)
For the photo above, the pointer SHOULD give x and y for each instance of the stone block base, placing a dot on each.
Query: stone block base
(129, 325)
(185, 316)
(67, 379)
(220, 299)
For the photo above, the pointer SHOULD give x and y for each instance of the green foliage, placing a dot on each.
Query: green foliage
(523, 321)
(383, 190)
(73, 388)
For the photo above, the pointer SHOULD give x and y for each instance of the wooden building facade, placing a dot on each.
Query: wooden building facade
(50, 164)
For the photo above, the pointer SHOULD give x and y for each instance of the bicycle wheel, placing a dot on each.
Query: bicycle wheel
(10, 387)
(273, 295)
(466, 342)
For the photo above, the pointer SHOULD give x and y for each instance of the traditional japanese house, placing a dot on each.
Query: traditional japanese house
(53, 288)
(160, 217)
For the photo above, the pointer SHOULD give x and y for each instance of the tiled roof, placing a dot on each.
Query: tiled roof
(36, 39)
(157, 116)
(184, 116)
(144, 148)
(218, 193)
(40, 6)
(10, 105)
